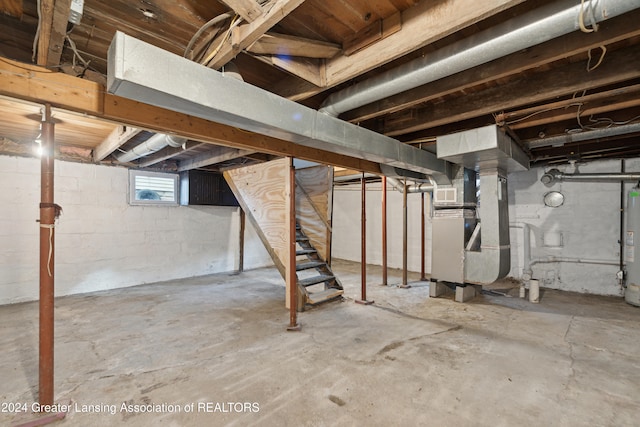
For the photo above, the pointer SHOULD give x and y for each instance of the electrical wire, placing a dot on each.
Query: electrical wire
(583, 27)
(593, 29)
(234, 23)
(37, 36)
(76, 54)
(604, 52)
(51, 227)
(209, 24)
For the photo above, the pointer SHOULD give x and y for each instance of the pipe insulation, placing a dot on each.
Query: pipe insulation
(560, 140)
(532, 28)
(155, 143)
(419, 187)
(148, 74)
(554, 175)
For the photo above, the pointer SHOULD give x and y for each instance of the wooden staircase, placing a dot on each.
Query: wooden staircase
(261, 190)
(316, 281)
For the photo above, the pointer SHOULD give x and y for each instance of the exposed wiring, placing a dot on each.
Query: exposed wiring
(218, 19)
(51, 227)
(604, 52)
(546, 110)
(593, 29)
(76, 54)
(37, 36)
(234, 23)
(583, 27)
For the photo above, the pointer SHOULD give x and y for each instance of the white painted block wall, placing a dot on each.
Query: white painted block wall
(588, 223)
(346, 226)
(101, 241)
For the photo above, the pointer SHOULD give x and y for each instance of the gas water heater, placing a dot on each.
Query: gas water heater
(632, 241)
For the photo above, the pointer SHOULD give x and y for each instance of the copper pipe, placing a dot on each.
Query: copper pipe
(293, 279)
(363, 231)
(422, 245)
(384, 231)
(47, 251)
(404, 235)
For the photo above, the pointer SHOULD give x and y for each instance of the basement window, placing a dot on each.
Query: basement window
(153, 188)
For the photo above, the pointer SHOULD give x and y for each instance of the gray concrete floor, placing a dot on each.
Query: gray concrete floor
(572, 360)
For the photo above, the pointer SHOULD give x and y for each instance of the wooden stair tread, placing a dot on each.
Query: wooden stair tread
(310, 264)
(315, 280)
(322, 296)
(306, 251)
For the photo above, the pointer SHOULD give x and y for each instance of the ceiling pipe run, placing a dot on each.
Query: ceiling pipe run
(421, 187)
(554, 175)
(529, 29)
(155, 143)
(558, 141)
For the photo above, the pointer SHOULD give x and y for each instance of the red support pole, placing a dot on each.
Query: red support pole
(405, 238)
(384, 231)
(293, 279)
(422, 246)
(363, 250)
(47, 250)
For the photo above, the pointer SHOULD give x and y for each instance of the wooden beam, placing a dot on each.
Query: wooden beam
(37, 84)
(250, 10)
(597, 103)
(309, 69)
(422, 24)
(376, 31)
(618, 66)
(168, 153)
(61, 12)
(116, 139)
(286, 45)
(46, 28)
(609, 31)
(216, 155)
(246, 35)
(11, 8)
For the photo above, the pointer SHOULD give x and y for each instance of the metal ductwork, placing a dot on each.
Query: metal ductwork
(146, 73)
(493, 261)
(554, 175)
(473, 251)
(530, 29)
(155, 143)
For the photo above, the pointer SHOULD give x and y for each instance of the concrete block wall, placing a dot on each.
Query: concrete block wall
(102, 242)
(586, 226)
(346, 226)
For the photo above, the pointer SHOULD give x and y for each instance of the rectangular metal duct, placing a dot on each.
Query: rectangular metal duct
(482, 148)
(145, 73)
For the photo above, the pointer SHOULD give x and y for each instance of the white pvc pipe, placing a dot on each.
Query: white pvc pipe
(534, 291)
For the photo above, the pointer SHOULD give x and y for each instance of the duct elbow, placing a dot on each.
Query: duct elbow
(487, 266)
(328, 109)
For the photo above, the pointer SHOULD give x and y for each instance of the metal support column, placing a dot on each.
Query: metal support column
(363, 248)
(384, 231)
(422, 242)
(405, 237)
(48, 213)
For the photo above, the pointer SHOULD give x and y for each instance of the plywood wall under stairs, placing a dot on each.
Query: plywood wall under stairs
(261, 190)
(313, 206)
